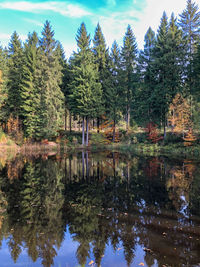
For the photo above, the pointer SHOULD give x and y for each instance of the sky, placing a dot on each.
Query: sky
(67, 15)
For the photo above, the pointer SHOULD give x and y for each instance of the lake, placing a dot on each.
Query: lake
(99, 209)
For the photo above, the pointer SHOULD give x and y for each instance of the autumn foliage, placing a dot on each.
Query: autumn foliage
(179, 117)
(152, 133)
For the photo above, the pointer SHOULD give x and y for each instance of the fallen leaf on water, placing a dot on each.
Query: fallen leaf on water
(119, 249)
(91, 262)
(141, 264)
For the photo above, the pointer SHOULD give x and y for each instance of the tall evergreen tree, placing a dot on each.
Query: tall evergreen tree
(129, 57)
(29, 86)
(145, 105)
(86, 93)
(51, 96)
(161, 67)
(190, 24)
(102, 61)
(65, 79)
(15, 63)
(3, 82)
(196, 73)
(115, 92)
(175, 58)
(168, 59)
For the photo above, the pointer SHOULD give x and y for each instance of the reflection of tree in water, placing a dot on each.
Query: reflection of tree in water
(178, 184)
(34, 215)
(108, 198)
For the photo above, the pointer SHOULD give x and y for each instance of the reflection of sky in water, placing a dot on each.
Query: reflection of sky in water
(66, 256)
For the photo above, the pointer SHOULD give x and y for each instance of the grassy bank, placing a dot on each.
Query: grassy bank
(133, 142)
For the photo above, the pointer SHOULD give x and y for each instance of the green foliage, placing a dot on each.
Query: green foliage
(86, 93)
(51, 98)
(128, 63)
(190, 22)
(97, 139)
(29, 90)
(15, 64)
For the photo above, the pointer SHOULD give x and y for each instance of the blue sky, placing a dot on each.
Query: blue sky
(67, 15)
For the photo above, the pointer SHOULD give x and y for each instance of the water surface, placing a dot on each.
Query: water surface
(99, 209)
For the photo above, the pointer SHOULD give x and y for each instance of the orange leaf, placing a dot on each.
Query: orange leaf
(91, 262)
(141, 264)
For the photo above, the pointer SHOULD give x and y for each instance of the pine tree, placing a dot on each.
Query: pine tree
(65, 79)
(168, 70)
(29, 89)
(129, 57)
(175, 57)
(102, 62)
(15, 63)
(3, 82)
(51, 97)
(114, 92)
(160, 96)
(190, 24)
(86, 93)
(145, 105)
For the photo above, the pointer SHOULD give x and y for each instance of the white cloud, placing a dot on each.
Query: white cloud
(62, 8)
(69, 48)
(114, 24)
(152, 14)
(35, 22)
(5, 38)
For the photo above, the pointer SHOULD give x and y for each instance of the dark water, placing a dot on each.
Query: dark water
(102, 209)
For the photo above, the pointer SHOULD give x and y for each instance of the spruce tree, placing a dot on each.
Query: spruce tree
(29, 86)
(86, 92)
(128, 62)
(145, 105)
(3, 82)
(51, 96)
(102, 62)
(175, 58)
(115, 92)
(168, 71)
(15, 63)
(65, 79)
(161, 68)
(190, 23)
(196, 74)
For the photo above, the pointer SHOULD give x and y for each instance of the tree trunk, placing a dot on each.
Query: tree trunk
(65, 118)
(87, 131)
(70, 169)
(83, 164)
(83, 131)
(70, 122)
(87, 167)
(114, 126)
(98, 125)
(128, 118)
(164, 125)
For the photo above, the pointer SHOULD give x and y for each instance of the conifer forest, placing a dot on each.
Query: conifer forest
(43, 93)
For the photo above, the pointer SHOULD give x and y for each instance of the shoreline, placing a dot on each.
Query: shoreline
(173, 150)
